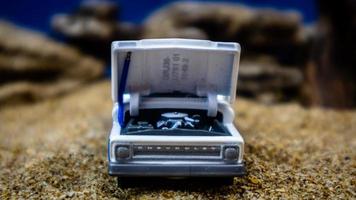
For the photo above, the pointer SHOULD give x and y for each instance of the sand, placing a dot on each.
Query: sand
(57, 149)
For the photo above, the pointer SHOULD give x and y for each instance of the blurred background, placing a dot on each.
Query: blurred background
(292, 50)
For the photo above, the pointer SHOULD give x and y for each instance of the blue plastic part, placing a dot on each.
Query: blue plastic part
(122, 87)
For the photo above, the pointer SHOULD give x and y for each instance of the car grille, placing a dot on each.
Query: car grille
(176, 151)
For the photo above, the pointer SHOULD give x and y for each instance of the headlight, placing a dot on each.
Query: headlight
(122, 152)
(231, 153)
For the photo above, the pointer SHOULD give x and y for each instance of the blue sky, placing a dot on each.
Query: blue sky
(36, 14)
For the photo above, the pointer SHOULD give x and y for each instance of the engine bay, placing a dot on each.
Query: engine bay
(175, 122)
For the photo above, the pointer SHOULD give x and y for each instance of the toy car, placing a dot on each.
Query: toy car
(172, 114)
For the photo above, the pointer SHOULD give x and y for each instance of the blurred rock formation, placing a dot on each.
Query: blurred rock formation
(93, 26)
(264, 79)
(331, 69)
(264, 31)
(273, 42)
(34, 67)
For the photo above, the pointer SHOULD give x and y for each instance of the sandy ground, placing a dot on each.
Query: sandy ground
(57, 149)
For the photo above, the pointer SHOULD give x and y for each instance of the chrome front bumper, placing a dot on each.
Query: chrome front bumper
(174, 170)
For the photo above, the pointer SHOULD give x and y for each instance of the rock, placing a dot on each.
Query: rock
(93, 19)
(257, 30)
(93, 26)
(84, 27)
(105, 10)
(330, 71)
(263, 78)
(262, 33)
(34, 67)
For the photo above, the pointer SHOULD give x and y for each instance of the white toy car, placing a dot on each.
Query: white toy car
(172, 114)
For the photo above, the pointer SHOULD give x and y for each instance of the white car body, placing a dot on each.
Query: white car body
(185, 152)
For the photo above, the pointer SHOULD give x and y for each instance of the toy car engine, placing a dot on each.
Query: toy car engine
(173, 120)
(169, 120)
